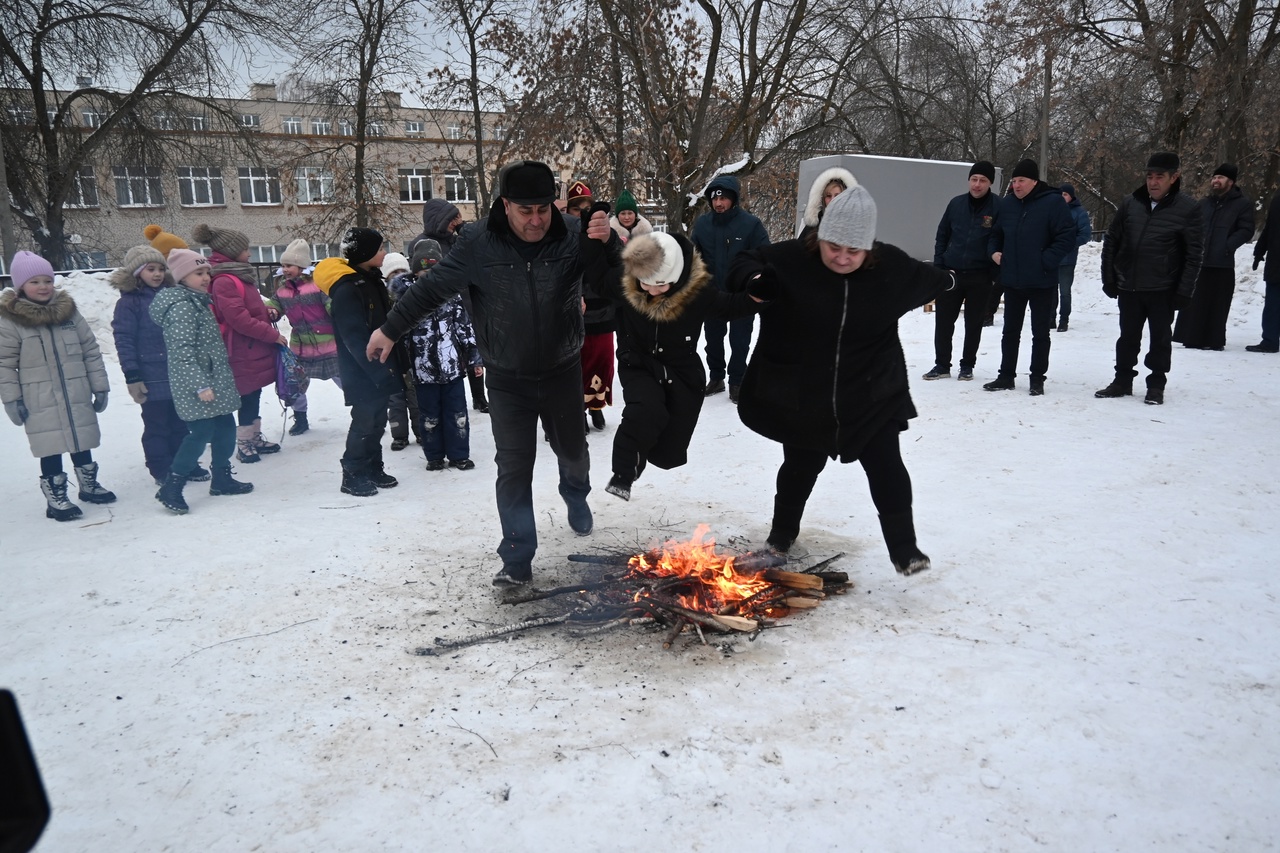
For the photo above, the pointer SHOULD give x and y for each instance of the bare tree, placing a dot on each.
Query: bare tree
(168, 59)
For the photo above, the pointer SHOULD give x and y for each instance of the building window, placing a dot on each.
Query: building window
(458, 187)
(200, 186)
(292, 124)
(93, 118)
(376, 128)
(454, 131)
(499, 132)
(251, 121)
(195, 122)
(259, 186)
(412, 128)
(84, 189)
(320, 251)
(165, 121)
(346, 127)
(138, 186)
(266, 254)
(315, 185)
(321, 126)
(415, 185)
(21, 114)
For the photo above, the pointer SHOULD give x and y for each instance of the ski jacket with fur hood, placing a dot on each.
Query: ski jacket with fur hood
(526, 298)
(49, 359)
(139, 339)
(814, 208)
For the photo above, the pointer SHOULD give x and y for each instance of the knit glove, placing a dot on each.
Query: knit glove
(138, 391)
(1111, 290)
(99, 401)
(765, 286)
(16, 412)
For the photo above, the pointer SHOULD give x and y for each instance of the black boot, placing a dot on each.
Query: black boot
(1118, 388)
(900, 536)
(355, 480)
(300, 424)
(380, 478)
(478, 401)
(224, 484)
(170, 494)
(60, 507)
(620, 486)
(90, 490)
(786, 525)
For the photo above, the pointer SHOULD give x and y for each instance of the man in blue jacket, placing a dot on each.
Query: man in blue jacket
(719, 236)
(1067, 269)
(1033, 234)
(962, 246)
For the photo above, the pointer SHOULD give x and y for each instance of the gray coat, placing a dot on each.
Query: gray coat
(49, 359)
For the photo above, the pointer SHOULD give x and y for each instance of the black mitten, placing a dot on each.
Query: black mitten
(766, 285)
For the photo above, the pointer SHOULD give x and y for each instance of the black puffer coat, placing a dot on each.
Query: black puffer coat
(359, 302)
(526, 298)
(1228, 225)
(827, 371)
(1268, 245)
(1153, 249)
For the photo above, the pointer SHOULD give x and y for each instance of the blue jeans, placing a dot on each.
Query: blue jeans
(739, 344)
(446, 431)
(1066, 275)
(516, 404)
(218, 433)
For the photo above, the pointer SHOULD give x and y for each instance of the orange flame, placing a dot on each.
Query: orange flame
(713, 581)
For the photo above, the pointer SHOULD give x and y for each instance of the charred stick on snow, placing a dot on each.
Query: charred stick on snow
(442, 646)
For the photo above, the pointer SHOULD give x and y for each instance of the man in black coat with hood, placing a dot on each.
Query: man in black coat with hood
(1226, 215)
(1150, 260)
(523, 267)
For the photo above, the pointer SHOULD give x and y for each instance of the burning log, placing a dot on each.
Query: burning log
(795, 580)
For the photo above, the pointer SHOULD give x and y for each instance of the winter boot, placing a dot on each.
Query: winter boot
(380, 478)
(170, 494)
(300, 424)
(1118, 388)
(938, 372)
(55, 495)
(355, 480)
(620, 486)
(1037, 386)
(580, 519)
(478, 401)
(198, 475)
(246, 447)
(513, 574)
(261, 444)
(597, 418)
(1000, 383)
(900, 536)
(224, 484)
(91, 490)
(1155, 397)
(786, 525)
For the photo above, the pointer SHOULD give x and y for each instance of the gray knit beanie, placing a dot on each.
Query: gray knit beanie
(225, 241)
(850, 219)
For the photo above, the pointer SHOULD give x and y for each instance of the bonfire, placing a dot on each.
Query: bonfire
(681, 586)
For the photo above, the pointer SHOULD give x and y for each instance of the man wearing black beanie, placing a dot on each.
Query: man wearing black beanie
(961, 245)
(1033, 234)
(1150, 259)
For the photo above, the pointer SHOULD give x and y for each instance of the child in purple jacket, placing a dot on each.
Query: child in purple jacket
(311, 327)
(144, 361)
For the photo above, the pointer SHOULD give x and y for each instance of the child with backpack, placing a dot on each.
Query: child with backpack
(200, 380)
(144, 360)
(310, 326)
(52, 382)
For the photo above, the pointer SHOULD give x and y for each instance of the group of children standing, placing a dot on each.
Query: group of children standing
(197, 343)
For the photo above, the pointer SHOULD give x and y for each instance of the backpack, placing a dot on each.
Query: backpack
(290, 378)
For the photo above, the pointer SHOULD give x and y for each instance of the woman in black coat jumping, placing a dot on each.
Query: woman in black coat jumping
(827, 378)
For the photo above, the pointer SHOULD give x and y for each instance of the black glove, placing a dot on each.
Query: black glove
(1256, 260)
(586, 215)
(99, 401)
(765, 285)
(1111, 290)
(1181, 301)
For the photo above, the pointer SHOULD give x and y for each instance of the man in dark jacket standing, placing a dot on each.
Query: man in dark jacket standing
(359, 303)
(719, 236)
(523, 266)
(1067, 269)
(1150, 260)
(1268, 248)
(962, 246)
(1033, 234)
(1226, 216)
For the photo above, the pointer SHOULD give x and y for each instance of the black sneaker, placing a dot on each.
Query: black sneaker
(597, 418)
(735, 392)
(620, 487)
(435, 465)
(965, 375)
(715, 386)
(1263, 347)
(1037, 388)
(1001, 383)
(1155, 397)
(513, 574)
(942, 373)
(462, 464)
(1117, 388)
(199, 475)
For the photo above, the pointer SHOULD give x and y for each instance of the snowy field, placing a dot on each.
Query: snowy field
(1093, 663)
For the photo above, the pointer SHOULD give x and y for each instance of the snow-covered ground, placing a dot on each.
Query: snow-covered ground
(1092, 664)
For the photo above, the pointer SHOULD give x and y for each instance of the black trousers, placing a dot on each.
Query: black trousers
(973, 292)
(657, 422)
(1152, 308)
(516, 404)
(887, 476)
(1203, 325)
(1043, 302)
(364, 436)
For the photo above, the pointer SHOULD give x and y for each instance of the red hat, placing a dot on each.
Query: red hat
(579, 190)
